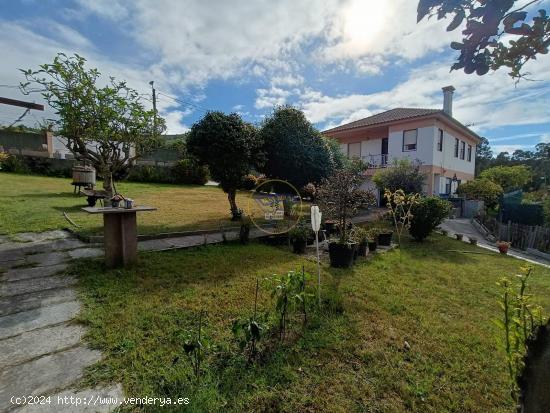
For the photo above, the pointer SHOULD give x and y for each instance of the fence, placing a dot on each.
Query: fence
(521, 236)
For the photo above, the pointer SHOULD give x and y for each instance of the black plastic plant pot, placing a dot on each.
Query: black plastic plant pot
(384, 238)
(341, 255)
(372, 246)
(299, 246)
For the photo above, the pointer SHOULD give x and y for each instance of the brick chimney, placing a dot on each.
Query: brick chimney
(448, 100)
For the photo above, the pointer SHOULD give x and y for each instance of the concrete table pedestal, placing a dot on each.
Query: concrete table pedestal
(120, 234)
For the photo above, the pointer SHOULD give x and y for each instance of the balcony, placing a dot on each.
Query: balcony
(376, 161)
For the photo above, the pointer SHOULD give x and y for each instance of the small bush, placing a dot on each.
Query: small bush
(3, 158)
(188, 171)
(481, 189)
(427, 214)
(15, 164)
(309, 191)
(249, 182)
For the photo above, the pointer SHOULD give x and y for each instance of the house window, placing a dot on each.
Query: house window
(409, 140)
(462, 149)
(440, 141)
(469, 153)
(456, 147)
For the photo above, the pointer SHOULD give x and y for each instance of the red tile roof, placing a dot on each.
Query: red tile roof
(387, 116)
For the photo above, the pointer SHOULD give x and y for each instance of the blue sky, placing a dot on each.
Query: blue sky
(338, 60)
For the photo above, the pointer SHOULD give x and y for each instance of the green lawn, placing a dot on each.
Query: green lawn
(350, 358)
(37, 203)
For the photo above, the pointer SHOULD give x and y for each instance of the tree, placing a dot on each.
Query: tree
(481, 189)
(106, 126)
(484, 155)
(427, 214)
(230, 147)
(497, 33)
(508, 177)
(294, 149)
(404, 175)
(340, 197)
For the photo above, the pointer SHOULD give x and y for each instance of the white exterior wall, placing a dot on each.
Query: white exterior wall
(424, 146)
(446, 159)
(371, 147)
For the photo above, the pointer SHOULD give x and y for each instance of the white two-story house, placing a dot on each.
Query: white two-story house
(443, 146)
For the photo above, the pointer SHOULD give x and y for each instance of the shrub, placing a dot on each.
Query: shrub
(249, 182)
(427, 214)
(508, 177)
(404, 175)
(3, 158)
(309, 191)
(188, 171)
(481, 189)
(15, 164)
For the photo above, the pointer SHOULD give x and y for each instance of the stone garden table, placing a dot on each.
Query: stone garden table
(120, 233)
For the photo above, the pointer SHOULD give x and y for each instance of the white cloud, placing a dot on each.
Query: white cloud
(274, 96)
(545, 138)
(509, 148)
(488, 101)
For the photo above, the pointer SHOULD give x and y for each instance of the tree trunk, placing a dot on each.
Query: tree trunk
(108, 184)
(231, 195)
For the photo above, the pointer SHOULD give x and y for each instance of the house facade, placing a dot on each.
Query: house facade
(443, 146)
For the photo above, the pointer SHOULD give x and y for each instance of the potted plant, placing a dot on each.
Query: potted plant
(298, 237)
(473, 240)
(360, 236)
(459, 237)
(244, 232)
(503, 246)
(384, 237)
(340, 198)
(372, 242)
(330, 226)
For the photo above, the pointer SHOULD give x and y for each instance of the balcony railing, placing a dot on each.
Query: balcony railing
(376, 161)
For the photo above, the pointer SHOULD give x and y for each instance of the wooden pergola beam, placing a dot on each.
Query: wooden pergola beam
(22, 104)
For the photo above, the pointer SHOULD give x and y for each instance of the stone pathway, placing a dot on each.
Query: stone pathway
(465, 227)
(41, 349)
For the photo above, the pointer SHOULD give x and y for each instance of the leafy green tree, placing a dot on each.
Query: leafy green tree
(482, 189)
(427, 214)
(107, 126)
(484, 155)
(295, 151)
(508, 177)
(231, 149)
(497, 33)
(404, 175)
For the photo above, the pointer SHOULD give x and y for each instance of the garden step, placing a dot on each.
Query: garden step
(45, 375)
(17, 274)
(18, 303)
(34, 284)
(86, 253)
(41, 236)
(47, 258)
(13, 324)
(32, 344)
(113, 393)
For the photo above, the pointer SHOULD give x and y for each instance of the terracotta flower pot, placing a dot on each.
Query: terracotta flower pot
(503, 247)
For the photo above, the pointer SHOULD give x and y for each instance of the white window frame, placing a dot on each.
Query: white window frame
(405, 147)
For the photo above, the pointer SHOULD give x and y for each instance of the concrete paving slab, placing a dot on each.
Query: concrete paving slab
(86, 253)
(16, 274)
(6, 265)
(153, 245)
(45, 375)
(33, 344)
(13, 324)
(47, 258)
(40, 236)
(19, 303)
(32, 285)
(11, 255)
(100, 399)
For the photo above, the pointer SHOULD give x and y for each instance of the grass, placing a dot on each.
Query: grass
(37, 203)
(352, 357)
